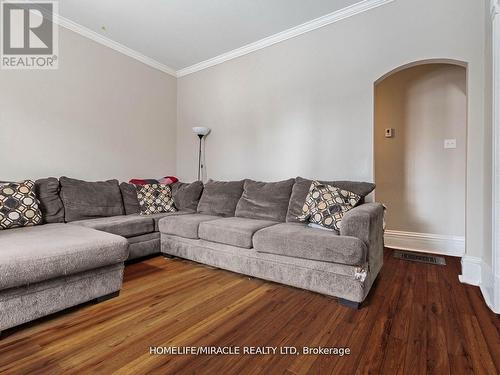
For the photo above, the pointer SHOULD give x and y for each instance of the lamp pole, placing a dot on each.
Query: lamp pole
(199, 157)
(201, 132)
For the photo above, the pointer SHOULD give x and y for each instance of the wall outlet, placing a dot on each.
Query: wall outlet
(450, 143)
(389, 132)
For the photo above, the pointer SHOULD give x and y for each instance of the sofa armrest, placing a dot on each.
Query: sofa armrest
(363, 221)
(366, 223)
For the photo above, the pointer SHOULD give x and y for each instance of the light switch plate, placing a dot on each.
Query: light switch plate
(389, 132)
(450, 143)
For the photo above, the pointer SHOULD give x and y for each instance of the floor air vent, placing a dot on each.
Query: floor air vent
(414, 257)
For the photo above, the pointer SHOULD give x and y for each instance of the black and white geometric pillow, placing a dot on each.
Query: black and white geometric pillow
(18, 205)
(325, 205)
(155, 199)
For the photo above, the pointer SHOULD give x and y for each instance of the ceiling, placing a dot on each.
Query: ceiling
(182, 33)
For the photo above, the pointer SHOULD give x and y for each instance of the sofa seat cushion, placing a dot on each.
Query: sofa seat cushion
(157, 217)
(184, 225)
(123, 225)
(300, 241)
(235, 231)
(33, 254)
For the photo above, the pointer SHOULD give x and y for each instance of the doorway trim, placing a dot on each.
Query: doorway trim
(428, 242)
(490, 278)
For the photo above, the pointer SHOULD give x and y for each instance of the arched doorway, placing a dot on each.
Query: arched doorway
(420, 142)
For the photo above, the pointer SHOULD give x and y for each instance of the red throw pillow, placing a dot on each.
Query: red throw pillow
(167, 180)
(149, 181)
(143, 181)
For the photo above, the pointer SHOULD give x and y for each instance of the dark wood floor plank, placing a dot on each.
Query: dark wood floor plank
(378, 338)
(104, 329)
(394, 357)
(416, 343)
(458, 352)
(488, 322)
(302, 331)
(363, 323)
(245, 331)
(480, 355)
(244, 306)
(175, 326)
(476, 351)
(437, 363)
(418, 318)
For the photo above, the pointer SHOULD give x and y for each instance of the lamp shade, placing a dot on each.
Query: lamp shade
(201, 130)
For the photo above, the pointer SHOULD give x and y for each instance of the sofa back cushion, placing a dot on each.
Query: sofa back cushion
(88, 200)
(51, 205)
(187, 195)
(301, 188)
(265, 200)
(129, 196)
(220, 197)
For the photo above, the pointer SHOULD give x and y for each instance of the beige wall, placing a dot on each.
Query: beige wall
(100, 115)
(421, 183)
(300, 107)
(305, 106)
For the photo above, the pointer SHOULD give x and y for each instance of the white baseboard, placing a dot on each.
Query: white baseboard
(425, 242)
(471, 270)
(476, 272)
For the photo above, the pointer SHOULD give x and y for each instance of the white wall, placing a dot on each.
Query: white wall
(305, 106)
(100, 115)
(422, 183)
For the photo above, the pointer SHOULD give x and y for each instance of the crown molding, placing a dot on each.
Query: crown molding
(306, 27)
(317, 23)
(98, 38)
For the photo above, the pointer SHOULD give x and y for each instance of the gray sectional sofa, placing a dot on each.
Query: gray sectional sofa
(91, 228)
(252, 228)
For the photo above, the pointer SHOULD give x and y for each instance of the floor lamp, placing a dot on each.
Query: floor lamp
(201, 132)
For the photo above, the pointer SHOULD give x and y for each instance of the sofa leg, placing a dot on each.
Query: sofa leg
(107, 296)
(351, 304)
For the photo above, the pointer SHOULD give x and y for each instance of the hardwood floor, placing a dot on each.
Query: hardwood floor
(418, 319)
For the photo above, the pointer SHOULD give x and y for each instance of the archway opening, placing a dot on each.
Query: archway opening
(420, 142)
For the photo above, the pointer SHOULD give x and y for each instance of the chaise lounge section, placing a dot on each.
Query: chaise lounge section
(47, 268)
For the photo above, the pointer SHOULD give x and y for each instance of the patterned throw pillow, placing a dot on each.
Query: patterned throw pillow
(325, 205)
(18, 205)
(155, 199)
